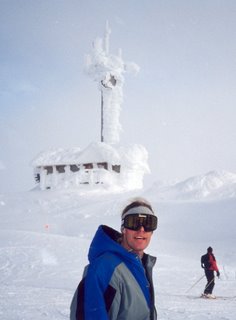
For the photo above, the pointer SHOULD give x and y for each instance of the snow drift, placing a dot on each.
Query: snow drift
(211, 186)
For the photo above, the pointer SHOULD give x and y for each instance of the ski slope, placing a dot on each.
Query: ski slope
(45, 236)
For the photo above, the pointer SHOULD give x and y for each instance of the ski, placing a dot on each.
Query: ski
(212, 297)
(215, 297)
(207, 296)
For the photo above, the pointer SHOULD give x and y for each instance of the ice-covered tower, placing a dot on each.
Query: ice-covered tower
(107, 70)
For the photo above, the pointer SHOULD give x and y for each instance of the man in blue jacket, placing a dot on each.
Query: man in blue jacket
(117, 284)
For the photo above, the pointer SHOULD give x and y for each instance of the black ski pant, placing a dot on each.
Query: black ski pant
(210, 281)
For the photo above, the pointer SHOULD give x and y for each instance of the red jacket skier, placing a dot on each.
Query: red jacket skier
(208, 263)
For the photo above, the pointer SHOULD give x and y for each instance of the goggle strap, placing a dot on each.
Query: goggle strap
(138, 210)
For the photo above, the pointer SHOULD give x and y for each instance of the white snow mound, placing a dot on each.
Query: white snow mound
(211, 186)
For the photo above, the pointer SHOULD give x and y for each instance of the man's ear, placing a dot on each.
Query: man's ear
(123, 230)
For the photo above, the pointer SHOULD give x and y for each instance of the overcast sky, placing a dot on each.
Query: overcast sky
(181, 105)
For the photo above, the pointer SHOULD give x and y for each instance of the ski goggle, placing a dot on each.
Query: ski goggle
(136, 221)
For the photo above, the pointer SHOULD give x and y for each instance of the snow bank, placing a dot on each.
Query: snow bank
(210, 186)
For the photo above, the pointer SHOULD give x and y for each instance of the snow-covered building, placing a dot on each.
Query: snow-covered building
(104, 163)
(98, 164)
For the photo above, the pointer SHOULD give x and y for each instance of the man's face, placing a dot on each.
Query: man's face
(137, 241)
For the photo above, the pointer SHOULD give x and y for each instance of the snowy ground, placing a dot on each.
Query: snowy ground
(45, 237)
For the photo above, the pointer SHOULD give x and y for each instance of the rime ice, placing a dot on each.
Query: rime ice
(107, 70)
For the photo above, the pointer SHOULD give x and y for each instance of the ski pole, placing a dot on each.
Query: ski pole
(210, 282)
(195, 283)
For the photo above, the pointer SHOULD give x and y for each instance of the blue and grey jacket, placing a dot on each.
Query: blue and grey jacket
(116, 285)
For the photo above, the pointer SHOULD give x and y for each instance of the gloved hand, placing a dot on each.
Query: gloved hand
(218, 274)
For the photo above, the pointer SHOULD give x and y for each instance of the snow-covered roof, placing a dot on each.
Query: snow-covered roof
(56, 157)
(99, 152)
(95, 152)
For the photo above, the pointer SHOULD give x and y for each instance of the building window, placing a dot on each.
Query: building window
(60, 169)
(116, 168)
(48, 169)
(88, 165)
(103, 165)
(74, 168)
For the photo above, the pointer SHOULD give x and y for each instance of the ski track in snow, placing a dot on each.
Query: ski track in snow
(174, 307)
(44, 242)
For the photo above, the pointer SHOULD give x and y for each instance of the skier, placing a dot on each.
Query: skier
(208, 263)
(117, 284)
